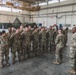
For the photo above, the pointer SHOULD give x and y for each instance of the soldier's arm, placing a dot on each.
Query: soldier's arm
(73, 42)
(72, 48)
(57, 40)
(22, 36)
(12, 38)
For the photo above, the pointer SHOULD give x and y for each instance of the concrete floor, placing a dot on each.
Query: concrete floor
(42, 65)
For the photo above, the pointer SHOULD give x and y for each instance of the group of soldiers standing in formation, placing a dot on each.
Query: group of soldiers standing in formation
(28, 42)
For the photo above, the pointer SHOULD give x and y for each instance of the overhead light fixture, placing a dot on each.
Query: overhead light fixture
(9, 4)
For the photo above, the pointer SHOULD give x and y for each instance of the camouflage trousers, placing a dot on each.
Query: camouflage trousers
(47, 45)
(66, 41)
(43, 47)
(4, 52)
(73, 63)
(26, 50)
(35, 48)
(1, 58)
(58, 54)
(14, 50)
(73, 57)
(50, 45)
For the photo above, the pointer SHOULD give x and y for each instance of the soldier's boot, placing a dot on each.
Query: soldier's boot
(72, 71)
(57, 60)
(7, 63)
(7, 60)
(57, 63)
(1, 64)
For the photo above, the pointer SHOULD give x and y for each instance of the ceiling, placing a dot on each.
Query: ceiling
(29, 5)
(38, 1)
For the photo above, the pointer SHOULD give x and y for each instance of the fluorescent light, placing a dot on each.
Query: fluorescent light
(54, 1)
(41, 4)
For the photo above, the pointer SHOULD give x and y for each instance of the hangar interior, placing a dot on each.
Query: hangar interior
(42, 12)
(46, 12)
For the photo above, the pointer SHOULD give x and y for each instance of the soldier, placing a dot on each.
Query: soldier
(43, 40)
(6, 47)
(26, 42)
(47, 39)
(73, 52)
(9, 33)
(21, 29)
(35, 42)
(55, 33)
(50, 37)
(2, 43)
(39, 31)
(59, 47)
(16, 45)
(66, 36)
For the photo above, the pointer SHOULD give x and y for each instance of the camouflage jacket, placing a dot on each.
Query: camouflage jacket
(73, 46)
(2, 44)
(51, 34)
(26, 37)
(16, 39)
(35, 36)
(6, 39)
(43, 36)
(59, 41)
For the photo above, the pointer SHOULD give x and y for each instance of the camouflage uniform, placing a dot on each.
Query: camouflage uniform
(59, 46)
(36, 43)
(55, 33)
(73, 52)
(16, 46)
(6, 48)
(2, 43)
(26, 43)
(9, 35)
(40, 52)
(43, 41)
(47, 41)
(21, 31)
(66, 36)
(50, 38)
